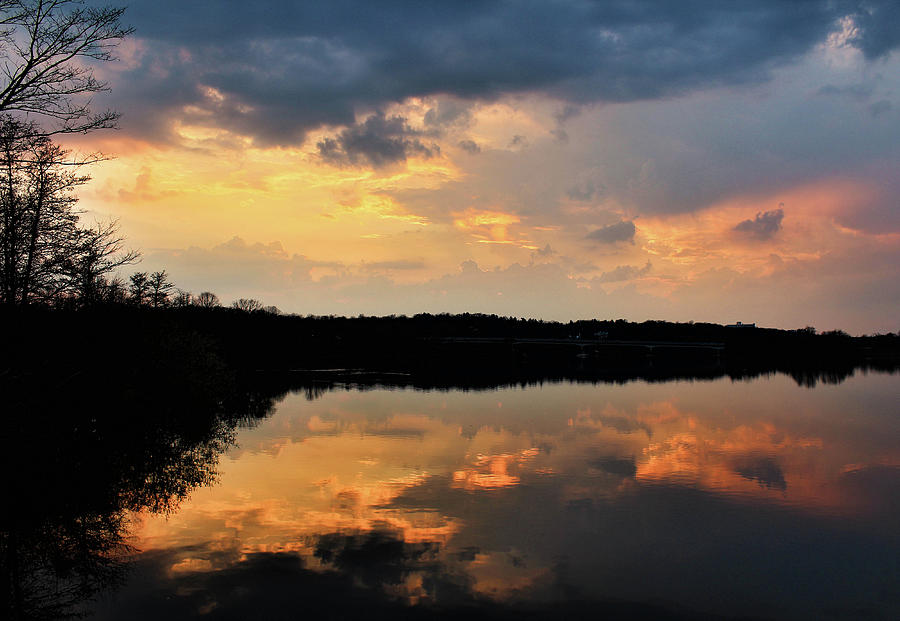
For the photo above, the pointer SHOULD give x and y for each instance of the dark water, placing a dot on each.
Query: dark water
(750, 499)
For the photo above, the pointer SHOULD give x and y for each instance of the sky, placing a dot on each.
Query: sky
(697, 160)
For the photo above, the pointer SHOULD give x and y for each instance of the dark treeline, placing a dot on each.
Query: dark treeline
(122, 408)
(117, 409)
(435, 350)
(68, 314)
(51, 259)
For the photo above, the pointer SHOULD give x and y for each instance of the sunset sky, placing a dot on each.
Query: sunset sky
(694, 160)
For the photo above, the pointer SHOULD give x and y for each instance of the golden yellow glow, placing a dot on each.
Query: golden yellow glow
(475, 219)
(425, 216)
(492, 227)
(381, 207)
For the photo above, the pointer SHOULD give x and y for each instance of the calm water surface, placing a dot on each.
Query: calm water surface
(757, 498)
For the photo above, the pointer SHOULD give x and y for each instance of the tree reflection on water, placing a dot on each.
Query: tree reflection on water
(80, 457)
(83, 458)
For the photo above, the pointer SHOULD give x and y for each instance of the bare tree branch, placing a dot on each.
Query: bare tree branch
(45, 255)
(46, 48)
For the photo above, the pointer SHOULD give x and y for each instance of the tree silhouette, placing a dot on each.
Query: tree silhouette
(44, 255)
(65, 534)
(207, 299)
(182, 299)
(46, 51)
(159, 289)
(139, 290)
(247, 305)
(99, 253)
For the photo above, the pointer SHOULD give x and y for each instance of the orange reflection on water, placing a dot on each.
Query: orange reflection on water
(758, 463)
(492, 471)
(408, 465)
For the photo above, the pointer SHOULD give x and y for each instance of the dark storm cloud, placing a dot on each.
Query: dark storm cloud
(619, 232)
(378, 141)
(280, 69)
(764, 226)
(877, 23)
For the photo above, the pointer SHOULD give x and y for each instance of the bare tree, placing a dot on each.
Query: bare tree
(159, 289)
(248, 305)
(182, 299)
(207, 299)
(46, 49)
(113, 290)
(99, 253)
(44, 254)
(38, 221)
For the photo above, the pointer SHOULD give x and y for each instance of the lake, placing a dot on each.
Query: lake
(760, 498)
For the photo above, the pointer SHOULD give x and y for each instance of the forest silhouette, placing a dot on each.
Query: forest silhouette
(60, 277)
(121, 393)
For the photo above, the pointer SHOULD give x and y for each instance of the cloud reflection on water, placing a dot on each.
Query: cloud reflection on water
(631, 492)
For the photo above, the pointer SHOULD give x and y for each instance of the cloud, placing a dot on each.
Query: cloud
(624, 272)
(144, 189)
(469, 146)
(233, 266)
(402, 264)
(518, 141)
(619, 232)
(448, 113)
(377, 141)
(273, 71)
(764, 226)
(546, 251)
(878, 211)
(841, 289)
(882, 106)
(876, 32)
(857, 92)
(585, 192)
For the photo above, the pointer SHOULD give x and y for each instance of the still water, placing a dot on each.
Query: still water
(759, 499)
